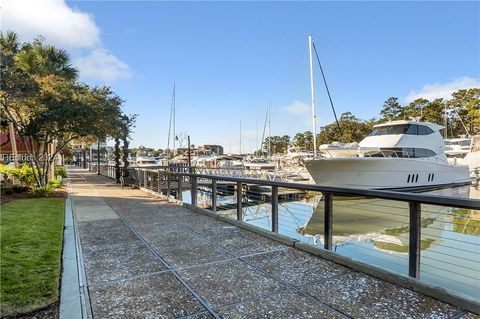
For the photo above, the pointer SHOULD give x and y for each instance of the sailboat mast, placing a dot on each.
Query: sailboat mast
(269, 131)
(256, 133)
(262, 145)
(446, 128)
(240, 137)
(170, 126)
(313, 98)
(174, 135)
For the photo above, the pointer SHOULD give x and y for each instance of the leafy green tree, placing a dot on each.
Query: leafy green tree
(308, 140)
(127, 124)
(299, 140)
(279, 144)
(434, 112)
(392, 110)
(415, 108)
(465, 110)
(40, 96)
(41, 60)
(352, 129)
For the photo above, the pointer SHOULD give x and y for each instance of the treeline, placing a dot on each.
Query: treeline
(462, 113)
(42, 99)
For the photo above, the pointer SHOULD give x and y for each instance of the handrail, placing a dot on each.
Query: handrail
(384, 194)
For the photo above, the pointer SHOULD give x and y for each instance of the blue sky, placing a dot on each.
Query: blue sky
(231, 59)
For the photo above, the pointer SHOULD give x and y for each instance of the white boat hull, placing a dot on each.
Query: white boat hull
(385, 173)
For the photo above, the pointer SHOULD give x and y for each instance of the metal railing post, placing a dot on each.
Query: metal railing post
(152, 182)
(145, 179)
(193, 190)
(239, 201)
(414, 240)
(168, 184)
(327, 230)
(214, 195)
(179, 188)
(159, 183)
(275, 209)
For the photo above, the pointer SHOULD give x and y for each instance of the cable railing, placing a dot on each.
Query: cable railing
(421, 235)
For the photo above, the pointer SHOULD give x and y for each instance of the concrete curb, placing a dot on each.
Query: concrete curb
(70, 306)
(74, 299)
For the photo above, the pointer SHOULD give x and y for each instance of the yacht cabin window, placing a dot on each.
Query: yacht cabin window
(411, 129)
(402, 152)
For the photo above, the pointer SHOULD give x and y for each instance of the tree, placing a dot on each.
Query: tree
(308, 140)
(127, 124)
(42, 60)
(279, 144)
(392, 110)
(415, 108)
(299, 141)
(434, 112)
(465, 107)
(46, 106)
(352, 129)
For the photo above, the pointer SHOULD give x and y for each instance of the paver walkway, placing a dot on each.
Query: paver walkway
(147, 258)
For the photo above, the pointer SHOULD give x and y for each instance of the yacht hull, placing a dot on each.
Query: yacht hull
(385, 173)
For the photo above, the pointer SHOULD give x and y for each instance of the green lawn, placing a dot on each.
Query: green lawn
(31, 233)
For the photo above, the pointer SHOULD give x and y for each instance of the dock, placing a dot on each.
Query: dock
(146, 257)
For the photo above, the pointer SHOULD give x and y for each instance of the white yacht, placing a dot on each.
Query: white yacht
(337, 149)
(458, 147)
(396, 155)
(259, 164)
(144, 157)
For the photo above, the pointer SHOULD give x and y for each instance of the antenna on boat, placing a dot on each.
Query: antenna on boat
(310, 42)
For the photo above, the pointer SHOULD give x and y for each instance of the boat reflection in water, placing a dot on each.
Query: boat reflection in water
(376, 231)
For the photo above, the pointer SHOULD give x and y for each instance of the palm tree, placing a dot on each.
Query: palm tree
(39, 59)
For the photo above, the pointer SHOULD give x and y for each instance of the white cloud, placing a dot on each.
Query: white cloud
(443, 90)
(67, 28)
(102, 65)
(297, 108)
(53, 19)
(302, 110)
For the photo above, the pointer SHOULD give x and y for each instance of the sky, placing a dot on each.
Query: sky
(231, 60)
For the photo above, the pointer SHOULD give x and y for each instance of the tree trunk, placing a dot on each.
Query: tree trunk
(117, 159)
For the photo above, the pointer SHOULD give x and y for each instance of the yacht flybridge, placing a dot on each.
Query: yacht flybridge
(396, 155)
